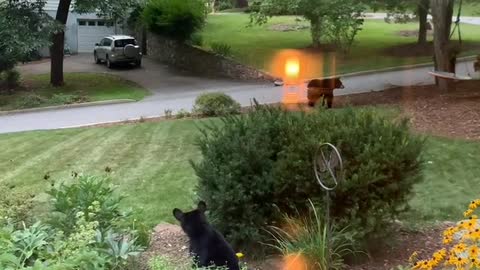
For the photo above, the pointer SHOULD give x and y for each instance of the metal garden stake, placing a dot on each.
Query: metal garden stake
(328, 168)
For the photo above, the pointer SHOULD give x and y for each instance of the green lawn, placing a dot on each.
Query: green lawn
(150, 163)
(469, 9)
(257, 45)
(36, 91)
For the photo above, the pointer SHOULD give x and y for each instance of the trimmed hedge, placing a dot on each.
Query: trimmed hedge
(258, 166)
(215, 104)
(175, 19)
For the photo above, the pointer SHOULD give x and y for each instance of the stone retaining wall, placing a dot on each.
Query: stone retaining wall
(199, 61)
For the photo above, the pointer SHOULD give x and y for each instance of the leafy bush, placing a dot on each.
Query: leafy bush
(278, 9)
(67, 99)
(306, 239)
(11, 78)
(224, 4)
(215, 104)
(30, 101)
(182, 114)
(90, 195)
(258, 167)
(221, 48)
(15, 207)
(176, 19)
(196, 40)
(32, 55)
(95, 239)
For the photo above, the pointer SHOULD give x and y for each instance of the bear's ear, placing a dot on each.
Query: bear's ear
(178, 214)
(202, 206)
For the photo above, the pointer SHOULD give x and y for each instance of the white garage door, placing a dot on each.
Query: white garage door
(91, 32)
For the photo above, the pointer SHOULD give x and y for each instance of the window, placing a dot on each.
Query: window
(82, 23)
(108, 42)
(101, 23)
(125, 42)
(91, 23)
(109, 24)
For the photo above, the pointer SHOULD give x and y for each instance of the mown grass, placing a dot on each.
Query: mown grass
(36, 91)
(452, 180)
(257, 45)
(150, 165)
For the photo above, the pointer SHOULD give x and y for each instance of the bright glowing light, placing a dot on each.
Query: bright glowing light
(294, 262)
(291, 98)
(292, 68)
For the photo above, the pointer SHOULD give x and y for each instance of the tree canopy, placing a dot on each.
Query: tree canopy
(24, 27)
(332, 21)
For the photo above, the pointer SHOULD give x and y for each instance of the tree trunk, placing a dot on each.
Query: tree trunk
(316, 30)
(58, 40)
(423, 7)
(445, 55)
(144, 40)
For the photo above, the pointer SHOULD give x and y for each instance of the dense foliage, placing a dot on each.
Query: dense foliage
(215, 104)
(24, 28)
(84, 232)
(176, 19)
(331, 21)
(258, 167)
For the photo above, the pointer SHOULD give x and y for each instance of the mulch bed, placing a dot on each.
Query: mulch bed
(169, 241)
(455, 114)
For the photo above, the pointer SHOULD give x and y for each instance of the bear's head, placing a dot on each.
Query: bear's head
(194, 222)
(338, 84)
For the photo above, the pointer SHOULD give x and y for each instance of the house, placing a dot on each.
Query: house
(82, 30)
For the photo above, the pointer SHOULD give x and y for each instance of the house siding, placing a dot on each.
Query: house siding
(71, 27)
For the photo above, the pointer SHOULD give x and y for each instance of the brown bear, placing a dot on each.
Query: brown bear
(322, 88)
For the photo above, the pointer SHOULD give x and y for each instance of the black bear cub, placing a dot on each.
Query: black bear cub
(206, 244)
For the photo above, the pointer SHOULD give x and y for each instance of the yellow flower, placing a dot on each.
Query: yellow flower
(468, 213)
(422, 265)
(459, 248)
(458, 262)
(239, 255)
(439, 256)
(473, 252)
(470, 224)
(475, 262)
(475, 235)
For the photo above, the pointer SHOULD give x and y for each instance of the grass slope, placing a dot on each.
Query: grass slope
(257, 45)
(150, 163)
(36, 90)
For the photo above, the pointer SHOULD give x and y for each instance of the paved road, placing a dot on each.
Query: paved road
(463, 19)
(174, 92)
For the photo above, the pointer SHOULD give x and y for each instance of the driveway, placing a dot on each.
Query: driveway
(158, 78)
(174, 91)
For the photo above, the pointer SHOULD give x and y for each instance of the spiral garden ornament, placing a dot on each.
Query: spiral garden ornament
(328, 168)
